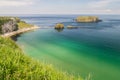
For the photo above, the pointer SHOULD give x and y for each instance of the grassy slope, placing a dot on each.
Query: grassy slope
(23, 24)
(14, 65)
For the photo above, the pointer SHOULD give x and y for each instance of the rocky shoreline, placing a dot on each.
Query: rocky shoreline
(19, 31)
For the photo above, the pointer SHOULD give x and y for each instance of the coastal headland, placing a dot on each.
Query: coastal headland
(19, 31)
(11, 26)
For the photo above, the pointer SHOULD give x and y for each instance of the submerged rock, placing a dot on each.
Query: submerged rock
(59, 26)
(87, 19)
(71, 27)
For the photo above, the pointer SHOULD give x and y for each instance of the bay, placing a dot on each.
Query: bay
(93, 48)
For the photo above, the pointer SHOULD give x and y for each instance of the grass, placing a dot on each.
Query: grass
(23, 24)
(6, 19)
(15, 65)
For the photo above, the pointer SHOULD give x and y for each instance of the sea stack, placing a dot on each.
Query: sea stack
(87, 19)
(59, 26)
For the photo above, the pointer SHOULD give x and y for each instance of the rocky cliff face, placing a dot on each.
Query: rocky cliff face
(9, 26)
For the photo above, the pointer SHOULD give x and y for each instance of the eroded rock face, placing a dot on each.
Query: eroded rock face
(9, 26)
(87, 19)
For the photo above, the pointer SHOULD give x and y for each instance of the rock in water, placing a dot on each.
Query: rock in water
(72, 27)
(87, 19)
(59, 26)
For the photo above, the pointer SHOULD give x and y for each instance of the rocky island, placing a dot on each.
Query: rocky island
(87, 19)
(59, 26)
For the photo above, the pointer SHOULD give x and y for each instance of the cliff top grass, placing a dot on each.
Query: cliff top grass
(15, 65)
(19, 23)
(3, 20)
(23, 24)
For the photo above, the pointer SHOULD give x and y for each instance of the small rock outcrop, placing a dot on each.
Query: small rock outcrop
(71, 27)
(87, 19)
(59, 26)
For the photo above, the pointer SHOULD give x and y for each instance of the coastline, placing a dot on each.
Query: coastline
(23, 65)
(20, 31)
(15, 65)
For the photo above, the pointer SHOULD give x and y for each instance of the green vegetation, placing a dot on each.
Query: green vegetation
(59, 26)
(23, 24)
(15, 65)
(20, 24)
(87, 19)
(2, 21)
(6, 19)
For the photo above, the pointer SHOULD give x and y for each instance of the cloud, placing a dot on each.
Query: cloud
(101, 4)
(59, 6)
(5, 3)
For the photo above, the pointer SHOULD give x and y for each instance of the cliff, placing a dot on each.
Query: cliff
(8, 24)
(87, 19)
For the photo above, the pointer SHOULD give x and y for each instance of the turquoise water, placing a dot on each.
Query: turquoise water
(93, 48)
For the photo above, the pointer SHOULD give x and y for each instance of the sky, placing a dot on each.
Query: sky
(59, 6)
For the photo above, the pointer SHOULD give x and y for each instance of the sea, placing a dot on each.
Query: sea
(92, 49)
